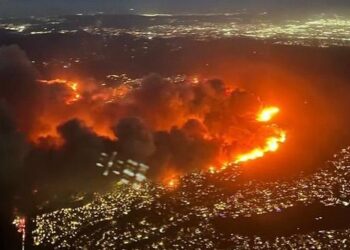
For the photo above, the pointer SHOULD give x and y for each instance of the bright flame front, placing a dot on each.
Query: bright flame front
(272, 144)
(267, 114)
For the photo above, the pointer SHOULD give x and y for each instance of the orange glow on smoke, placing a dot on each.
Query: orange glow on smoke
(73, 86)
(170, 178)
(272, 143)
(72, 104)
(212, 170)
(100, 108)
(111, 94)
(267, 114)
(173, 183)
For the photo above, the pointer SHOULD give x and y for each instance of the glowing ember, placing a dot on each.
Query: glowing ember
(172, 183)
(212, 170)
(195, 80)
(267, 114)
(170, 178)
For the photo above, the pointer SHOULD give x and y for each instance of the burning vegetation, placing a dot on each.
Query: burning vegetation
(172, 125)
(271, 143)
(159, 118)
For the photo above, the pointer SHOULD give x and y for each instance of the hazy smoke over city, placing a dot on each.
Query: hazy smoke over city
(45, 8)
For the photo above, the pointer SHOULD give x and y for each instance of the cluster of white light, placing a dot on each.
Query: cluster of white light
(128, 171)
(321, 30)
(152, 217)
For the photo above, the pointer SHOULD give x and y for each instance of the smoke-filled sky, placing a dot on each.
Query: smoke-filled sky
(56, 7)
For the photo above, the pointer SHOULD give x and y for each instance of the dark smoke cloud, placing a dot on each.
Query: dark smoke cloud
(18, 86)
(183, 150)
(162, 123)
(17, 101)
(13, 148)
(134, 139)
(81, 145)
(180, 126)
(183, 126)
(194, 129)
(159, 102)
(71, 166)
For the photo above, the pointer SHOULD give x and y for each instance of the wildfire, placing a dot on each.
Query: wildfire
(212, 169)
(105, 95)
(170, 178)
(73, 86)
(267, 114)
(272, 143)
(55, 115)
(172, 183)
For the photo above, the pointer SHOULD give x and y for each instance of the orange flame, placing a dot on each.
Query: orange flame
(272, 143)
(172, 183)
(73, 86)
(50, 120)
(212, 169)
(170, 178)
(267, 114)
(101, 96)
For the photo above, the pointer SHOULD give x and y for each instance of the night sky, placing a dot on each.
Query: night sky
(58, 7)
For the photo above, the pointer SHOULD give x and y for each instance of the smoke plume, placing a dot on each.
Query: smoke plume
(65, 124)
